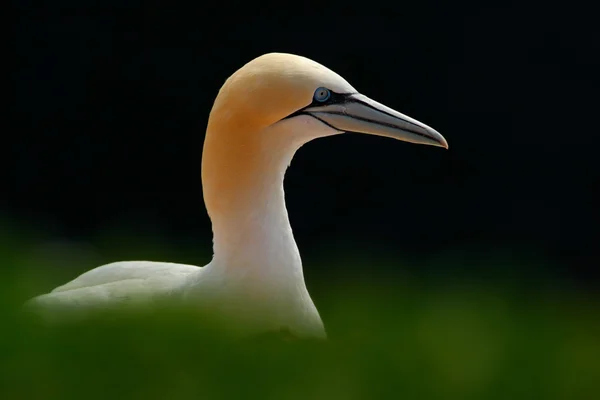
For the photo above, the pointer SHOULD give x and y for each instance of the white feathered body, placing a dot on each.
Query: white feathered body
(115, 284)
(251, 305)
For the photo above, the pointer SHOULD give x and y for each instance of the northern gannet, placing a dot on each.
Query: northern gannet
(263, 113)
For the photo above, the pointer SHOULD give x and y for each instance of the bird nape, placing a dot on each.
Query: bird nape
(263, 113)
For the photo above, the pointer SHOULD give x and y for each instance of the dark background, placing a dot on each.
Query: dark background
(112, 100)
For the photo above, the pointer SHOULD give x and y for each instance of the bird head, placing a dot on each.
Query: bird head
(293, 92)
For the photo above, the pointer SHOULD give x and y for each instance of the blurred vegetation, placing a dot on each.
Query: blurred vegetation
(402, 338)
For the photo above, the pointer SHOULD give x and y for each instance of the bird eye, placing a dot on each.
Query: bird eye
(322, 94)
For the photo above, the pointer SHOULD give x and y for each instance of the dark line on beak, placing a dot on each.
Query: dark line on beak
(319, 119)
(364, 103)
(382, 123)
(336, 98)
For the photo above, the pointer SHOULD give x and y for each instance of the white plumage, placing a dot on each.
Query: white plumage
(262, 115)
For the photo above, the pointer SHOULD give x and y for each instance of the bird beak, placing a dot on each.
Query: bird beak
(358, 113)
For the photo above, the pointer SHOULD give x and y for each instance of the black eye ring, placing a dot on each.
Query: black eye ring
(322, 94)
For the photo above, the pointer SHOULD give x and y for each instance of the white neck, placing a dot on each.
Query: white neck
(256, 271)
(243, 191)
(253, 237)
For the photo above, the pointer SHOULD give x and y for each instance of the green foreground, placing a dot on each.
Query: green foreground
(396, 340)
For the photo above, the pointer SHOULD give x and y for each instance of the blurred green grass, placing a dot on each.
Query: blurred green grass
(389, 339)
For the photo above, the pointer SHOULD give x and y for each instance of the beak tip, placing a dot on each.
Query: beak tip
(439, 139)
